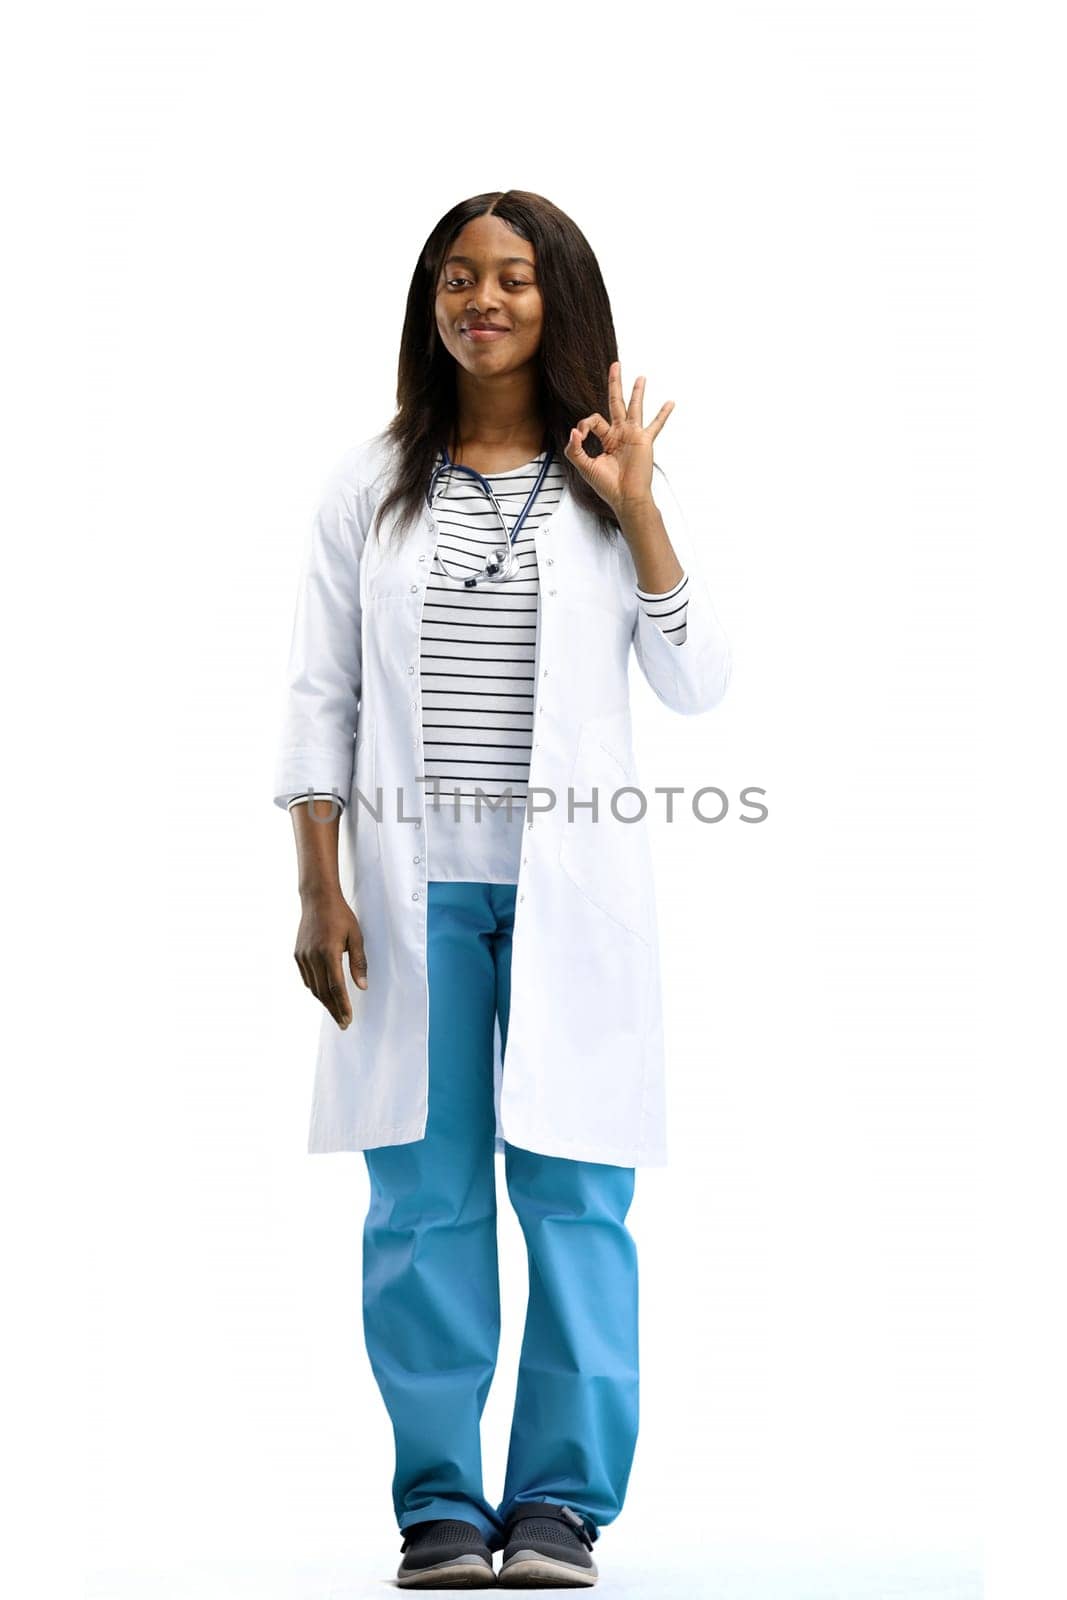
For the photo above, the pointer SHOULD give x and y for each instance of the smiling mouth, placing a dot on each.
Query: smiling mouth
(484, 333)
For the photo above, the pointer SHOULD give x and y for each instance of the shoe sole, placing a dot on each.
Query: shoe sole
(465, 1572)
(527, 1569)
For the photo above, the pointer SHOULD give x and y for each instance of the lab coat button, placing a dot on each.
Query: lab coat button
(416, 859)
(414, 588)
(548, 563)
(414, 894)
(522, 897)
(552, 591)
(411, 669)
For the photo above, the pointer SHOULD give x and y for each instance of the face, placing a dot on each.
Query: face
(490, 277)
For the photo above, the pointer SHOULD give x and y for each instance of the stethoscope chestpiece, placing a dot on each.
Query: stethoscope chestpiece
(501, 560)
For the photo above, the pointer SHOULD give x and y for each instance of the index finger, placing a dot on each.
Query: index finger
(339, 1008)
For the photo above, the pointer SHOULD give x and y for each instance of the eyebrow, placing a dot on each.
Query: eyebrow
(504, 261)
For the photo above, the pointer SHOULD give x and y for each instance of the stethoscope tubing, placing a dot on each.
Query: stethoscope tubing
(494, 571)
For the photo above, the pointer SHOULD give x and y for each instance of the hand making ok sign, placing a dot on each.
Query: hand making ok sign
(622, 473)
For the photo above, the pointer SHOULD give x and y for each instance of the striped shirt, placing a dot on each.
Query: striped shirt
(477, 653)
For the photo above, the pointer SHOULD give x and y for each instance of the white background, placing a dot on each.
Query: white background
(222, 207)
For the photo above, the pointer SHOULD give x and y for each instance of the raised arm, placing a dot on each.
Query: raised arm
(690, 672)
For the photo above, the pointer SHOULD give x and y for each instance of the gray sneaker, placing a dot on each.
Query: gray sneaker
(445, 1553)
(547, 1548)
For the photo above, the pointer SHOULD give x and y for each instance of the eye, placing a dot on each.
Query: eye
(518, 283)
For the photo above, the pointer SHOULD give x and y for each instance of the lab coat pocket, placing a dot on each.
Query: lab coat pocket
(368, 847)
(603, 854)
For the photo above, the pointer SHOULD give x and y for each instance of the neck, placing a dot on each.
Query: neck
(501, 413)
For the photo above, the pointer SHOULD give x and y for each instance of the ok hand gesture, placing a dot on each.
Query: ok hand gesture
(622, 474)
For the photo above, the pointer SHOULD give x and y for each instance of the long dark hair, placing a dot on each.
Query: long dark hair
(577, 348)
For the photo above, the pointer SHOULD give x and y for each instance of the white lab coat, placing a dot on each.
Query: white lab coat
(583, 1073)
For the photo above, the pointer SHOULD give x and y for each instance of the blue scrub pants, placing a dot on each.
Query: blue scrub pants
(431, 1289)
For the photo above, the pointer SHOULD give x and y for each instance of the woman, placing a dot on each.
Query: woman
(458, 699)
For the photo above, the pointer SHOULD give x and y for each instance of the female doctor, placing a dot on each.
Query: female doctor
(478, 916)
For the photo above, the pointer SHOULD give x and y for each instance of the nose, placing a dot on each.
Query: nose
(484, 305)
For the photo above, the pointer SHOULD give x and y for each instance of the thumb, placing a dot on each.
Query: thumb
(357, 963)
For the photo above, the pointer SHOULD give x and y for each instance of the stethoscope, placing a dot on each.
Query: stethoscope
(499, 567)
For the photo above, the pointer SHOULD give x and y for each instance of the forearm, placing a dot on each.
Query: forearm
(316, 828)
(657, 566)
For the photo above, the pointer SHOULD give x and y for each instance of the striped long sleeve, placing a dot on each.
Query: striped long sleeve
(667, 610)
